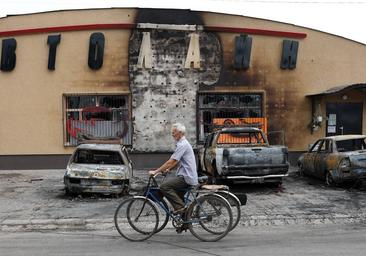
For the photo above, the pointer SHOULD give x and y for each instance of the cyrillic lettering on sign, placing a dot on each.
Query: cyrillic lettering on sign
(193, 55)
(96, 51)
(8, 56)
(243, 48)
(145, 54)
(289, 54)
(52, 41)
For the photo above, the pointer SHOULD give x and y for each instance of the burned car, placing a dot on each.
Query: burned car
(336, 159)
(242, 155)
(98, 167)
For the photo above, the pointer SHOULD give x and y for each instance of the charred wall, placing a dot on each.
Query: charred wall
(166, 93)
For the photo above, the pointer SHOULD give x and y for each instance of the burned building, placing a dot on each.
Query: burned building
(131, 73)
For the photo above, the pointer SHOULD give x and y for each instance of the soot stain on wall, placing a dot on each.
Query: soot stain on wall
(167, 92)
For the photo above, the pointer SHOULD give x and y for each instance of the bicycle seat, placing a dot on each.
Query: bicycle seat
(215, 187)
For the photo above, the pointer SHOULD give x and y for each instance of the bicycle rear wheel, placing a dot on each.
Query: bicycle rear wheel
(136, 218)
(209, 217)
(235, 204)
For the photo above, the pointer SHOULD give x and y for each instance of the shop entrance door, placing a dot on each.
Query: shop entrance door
(344, 118)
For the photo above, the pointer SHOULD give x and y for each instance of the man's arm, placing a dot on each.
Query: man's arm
(168, 165)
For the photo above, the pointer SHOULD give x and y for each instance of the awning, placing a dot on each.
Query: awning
(339, 89)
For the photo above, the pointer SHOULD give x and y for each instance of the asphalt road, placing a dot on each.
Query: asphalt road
(286, 240)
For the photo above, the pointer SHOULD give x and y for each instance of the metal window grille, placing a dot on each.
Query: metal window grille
(99, 116)
(214, 106)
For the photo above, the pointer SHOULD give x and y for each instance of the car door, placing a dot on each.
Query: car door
(322, 154)
(202, 153)
(207, 159)
(310, 157)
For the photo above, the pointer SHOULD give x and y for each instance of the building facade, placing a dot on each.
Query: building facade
(131, 73)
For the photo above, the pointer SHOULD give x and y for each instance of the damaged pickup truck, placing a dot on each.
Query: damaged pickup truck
(242, 154)
(98, 167)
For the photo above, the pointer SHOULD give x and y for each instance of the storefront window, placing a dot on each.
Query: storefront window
(97, 116)
(217, 110)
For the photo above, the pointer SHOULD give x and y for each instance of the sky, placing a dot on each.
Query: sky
(339, 17)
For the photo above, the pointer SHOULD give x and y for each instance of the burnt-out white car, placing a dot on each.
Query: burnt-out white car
(98, 168)
(336, 159)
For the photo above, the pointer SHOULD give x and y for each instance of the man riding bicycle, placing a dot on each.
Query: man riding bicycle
(186, 174)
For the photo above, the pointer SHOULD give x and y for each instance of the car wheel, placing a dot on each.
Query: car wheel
(329, 181)
(68, 192)
(211, 180)
(126, 190)
(278, 182)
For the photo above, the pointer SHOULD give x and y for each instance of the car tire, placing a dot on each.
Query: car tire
(278, 182)
(214, 180)
(211, 180)
(125, 191)
(68, 192)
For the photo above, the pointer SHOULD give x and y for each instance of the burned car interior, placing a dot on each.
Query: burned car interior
(254, 138)
(350, 145)
(83, 156)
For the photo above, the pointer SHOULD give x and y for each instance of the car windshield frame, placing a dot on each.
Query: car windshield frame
(97, 156)
(254, 138)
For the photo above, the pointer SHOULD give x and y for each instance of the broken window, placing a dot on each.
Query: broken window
(326, 147)
(218, 110)
(350, 145)
(253, 138)
(85, 156)
(98, 116)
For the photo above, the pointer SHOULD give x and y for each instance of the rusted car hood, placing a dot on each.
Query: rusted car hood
(97, 171)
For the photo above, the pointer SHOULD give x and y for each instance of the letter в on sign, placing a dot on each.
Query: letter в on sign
(8, 56)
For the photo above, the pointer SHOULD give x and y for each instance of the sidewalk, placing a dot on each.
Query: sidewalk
(35, 200)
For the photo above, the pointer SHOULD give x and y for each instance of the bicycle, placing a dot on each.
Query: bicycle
(232, 199)
(221, 190)
(208, 216)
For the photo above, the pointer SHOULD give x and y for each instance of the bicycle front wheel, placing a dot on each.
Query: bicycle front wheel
(209, 218)
(136, 218)
(163, 209)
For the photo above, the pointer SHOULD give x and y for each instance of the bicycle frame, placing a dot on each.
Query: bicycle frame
(150, 195)
(208, 216)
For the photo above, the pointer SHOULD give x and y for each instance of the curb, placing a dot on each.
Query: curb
(77, 224)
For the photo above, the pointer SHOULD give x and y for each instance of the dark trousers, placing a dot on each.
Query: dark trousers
(170, 189)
